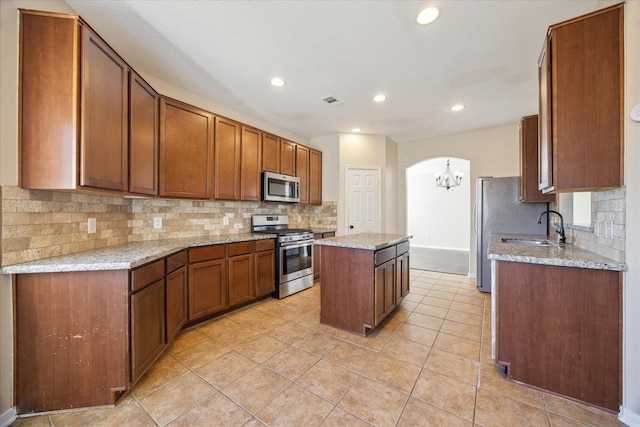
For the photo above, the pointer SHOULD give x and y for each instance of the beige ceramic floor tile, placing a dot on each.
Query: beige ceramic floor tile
(217, 410)
(463, 317)
(256, 388)
(286, 312)
(216, 326)
(560, 421)
(185, 340)
(393, 372)
(374, 402)
(245, 314)
(416, 334)
(421, 414)
(407, 351)
(165, 370)
(201, 353)
(351, 356)
(425, 321)
(35, 421)
(437, 302)
(327, 380)
(253, 422)
(441, 286)
(496, 410)
(265, 322)
(376, 339)
(226, 369)
(463, 330)
(431, 310)
(442, 295)
(73, 419)
(288, 333)
(446, 393)
(493, 378)
(173, 400)
(419, 290)
(579, 412)
(295, 407)
(260, 348)
(467, 308)
(128, 415)
(457, 345)
(470, 299)
(317, 343)
(341, 418)
(291, 362)
(452, 365)
(235, 337)
(414, 297)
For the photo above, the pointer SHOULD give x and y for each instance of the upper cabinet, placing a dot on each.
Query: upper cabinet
(529, 191)
(186, 150)
(143, 137)
(302, 171)
(250, 161)
(581, 103)
(315, 177)
(288, 157)
(227, 158)
(270, 153)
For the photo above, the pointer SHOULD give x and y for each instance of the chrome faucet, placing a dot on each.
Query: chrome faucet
(561, 237)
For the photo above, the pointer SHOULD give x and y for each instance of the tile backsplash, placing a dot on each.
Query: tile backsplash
(39, 224)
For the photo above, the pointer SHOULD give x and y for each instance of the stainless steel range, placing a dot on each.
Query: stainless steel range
(294, 253)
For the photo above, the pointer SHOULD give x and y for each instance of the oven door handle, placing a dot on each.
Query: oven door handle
(294, 245)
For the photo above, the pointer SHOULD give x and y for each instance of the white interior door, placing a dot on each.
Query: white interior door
(363, 200)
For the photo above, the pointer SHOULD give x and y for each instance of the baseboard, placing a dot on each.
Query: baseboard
(8, 417)
(471, 275)
(628, 417)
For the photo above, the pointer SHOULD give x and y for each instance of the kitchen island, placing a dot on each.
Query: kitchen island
(363, 278)
(557, 318)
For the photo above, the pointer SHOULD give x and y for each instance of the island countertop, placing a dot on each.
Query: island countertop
(125, 257)
(368, 240)
(566, 255)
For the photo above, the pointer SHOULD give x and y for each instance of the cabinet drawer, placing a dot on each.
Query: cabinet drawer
(402, 248)
(206, 253)
(241, 248)
(176, 261)
(146, 275)
(384, 255)
(265, 245)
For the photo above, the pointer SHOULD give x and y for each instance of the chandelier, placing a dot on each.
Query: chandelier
(448, 179)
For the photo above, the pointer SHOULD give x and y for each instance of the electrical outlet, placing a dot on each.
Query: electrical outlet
(91, 225)
(299, 218)
(608, 229)
(225, 220)
(157, 222)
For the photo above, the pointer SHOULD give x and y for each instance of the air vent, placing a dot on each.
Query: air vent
(331, 101)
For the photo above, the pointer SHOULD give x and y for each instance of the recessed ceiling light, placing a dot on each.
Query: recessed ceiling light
(355, 130)
(379, 98)
(457, 107)
(428, 15)
(278, 82)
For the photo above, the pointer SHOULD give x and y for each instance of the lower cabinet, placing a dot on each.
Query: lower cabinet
(241, 277)
(402, 272)
(265, 258)
(207, 281)
(316, 252)
(384, 288)
(176, 293)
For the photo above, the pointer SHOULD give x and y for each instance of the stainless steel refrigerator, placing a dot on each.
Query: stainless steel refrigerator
(498, 210)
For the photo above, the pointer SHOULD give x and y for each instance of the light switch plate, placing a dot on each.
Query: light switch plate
(635, 113)
(225, 220)
(157, 222)
(91, 225)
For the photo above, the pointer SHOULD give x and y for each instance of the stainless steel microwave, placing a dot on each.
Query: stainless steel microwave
(280, 188)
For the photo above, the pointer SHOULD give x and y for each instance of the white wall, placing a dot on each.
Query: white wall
(438, 218)
(492, 152)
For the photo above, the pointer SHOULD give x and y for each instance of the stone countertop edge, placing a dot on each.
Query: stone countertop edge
(126, 256)
(370, 241)
(565, 256)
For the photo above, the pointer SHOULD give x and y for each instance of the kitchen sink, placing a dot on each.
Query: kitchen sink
(530, 242)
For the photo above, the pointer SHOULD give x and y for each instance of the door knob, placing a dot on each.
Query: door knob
(351, 227)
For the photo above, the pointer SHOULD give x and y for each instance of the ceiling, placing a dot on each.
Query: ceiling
(480, 53)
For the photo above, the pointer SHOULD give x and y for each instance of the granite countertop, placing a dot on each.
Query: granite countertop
(371, 241)
(566, 255)
(124, 257)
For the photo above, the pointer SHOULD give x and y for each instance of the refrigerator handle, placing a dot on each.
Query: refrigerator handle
(475, 217)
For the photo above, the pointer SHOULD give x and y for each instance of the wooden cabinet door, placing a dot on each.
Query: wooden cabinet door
(315, 177)
(241, 279)
(384, 287)
(265, 273)
(186, 150)
(288, 157)
(529, 191)
(545, 138)
(251, 153)
(270, 153)
(207, 288)
(176, 301)
(227, 158)
(147, 327)
(402, 277)
(302, 171)
(143, 137)
(104, 116)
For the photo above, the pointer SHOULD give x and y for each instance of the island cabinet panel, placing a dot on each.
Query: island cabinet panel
(207, 281)
(186, 150)
(143, 137)
(560, 329)
(317, 249)
(227, 158)
(402, 272)
(270, 153)
(288, 157)
(84, 359)
(176, 293)
(582, 85)
(241, 273)
(251, 154)
(104, 116)
(384, 290)
(265, 267)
